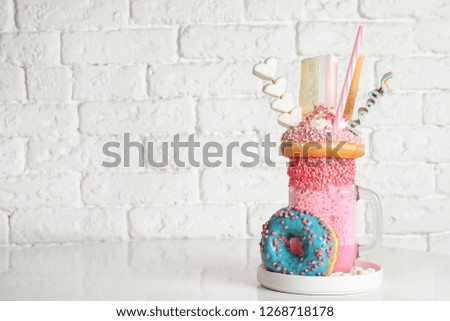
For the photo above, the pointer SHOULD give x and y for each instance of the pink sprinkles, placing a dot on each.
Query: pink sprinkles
(318, 173)
(306, 131)
(325, 172)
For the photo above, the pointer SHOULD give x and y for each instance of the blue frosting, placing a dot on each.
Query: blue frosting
(314, 234)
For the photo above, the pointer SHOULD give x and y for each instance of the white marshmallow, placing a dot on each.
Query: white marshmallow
(284, 104)
(276, 89)
(291, 119)
(266, 70)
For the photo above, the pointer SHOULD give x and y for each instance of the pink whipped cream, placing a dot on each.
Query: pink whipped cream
(318, 127)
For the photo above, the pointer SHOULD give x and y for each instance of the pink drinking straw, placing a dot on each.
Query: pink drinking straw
(349, 76)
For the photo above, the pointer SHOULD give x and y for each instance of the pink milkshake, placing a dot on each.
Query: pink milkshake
(316, 234)
(322, 181)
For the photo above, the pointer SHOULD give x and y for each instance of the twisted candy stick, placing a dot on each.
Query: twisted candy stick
(374, 96)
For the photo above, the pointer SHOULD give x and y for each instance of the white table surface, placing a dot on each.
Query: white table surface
(190, 270)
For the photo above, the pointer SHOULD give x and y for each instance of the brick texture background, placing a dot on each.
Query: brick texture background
(76, 74)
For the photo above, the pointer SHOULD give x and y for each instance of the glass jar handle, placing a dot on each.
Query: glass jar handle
(370, 197)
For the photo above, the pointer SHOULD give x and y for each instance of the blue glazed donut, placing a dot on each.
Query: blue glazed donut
(298, 243)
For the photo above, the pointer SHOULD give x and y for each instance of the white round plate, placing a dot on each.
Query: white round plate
(314, 285)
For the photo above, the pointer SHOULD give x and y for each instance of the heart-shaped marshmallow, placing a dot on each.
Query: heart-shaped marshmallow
(266, 70)
(276, 88)
(291, 119)
(284, 104)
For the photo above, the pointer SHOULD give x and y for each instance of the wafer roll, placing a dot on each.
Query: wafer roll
(351, 99)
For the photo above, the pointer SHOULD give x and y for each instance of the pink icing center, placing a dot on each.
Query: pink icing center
(296, 246)
(319, 173)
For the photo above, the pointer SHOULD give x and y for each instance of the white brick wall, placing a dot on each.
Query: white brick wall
(76, 74)
(12, 83)
(60, 226)
(109, 82)
(209, 42)
(30, 119)
(37, 190)
(71, 15)
(221, 78)
(156, 45)
(49, 83)
(183, 221)
(30, 48)
(176, 115)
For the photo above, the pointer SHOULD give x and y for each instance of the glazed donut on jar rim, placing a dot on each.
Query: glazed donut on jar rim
(298, 243)
(333, 149)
